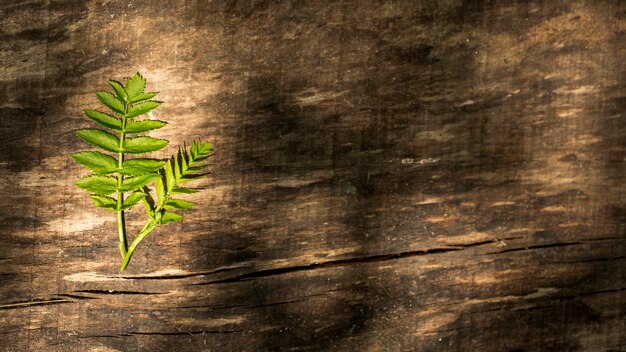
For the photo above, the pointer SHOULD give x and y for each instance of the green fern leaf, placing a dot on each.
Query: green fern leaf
(143, 126)
(132, 200)
(135, 85)
(111, 101)
(134, 167)
(178, 204)
(105, 120)
(143, 144)
(134, 175)
(183, 159)
(159, 185)
(136, 182)
(119, 90)
(104, 202)
(99, 138)
(176, 166)
(184, 190)
(98, 184)
(142, 108)
(170, 179)
(96, 161)
(170, 217)
(142, 97)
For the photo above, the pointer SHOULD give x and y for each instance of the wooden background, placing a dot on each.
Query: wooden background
(388, 176)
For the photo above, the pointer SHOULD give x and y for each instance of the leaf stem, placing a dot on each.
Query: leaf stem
(121, 224)
(147, 228)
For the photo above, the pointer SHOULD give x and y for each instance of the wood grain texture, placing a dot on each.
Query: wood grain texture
(388, 176)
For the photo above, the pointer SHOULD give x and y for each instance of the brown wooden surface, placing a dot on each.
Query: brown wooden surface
(389, 176)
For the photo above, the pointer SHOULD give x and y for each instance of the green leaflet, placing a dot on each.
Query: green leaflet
(170, 179)
(133, 183)
(119, 90)
(142, 108)
(140, 166)
(170, 217)
(135, 85)
(132, 200)
(143, 144)
(160, 191)
(104, 202)
(111, 101)
(143, 96)
(200, 150)
(96, 161)
(98, 184)
(109, 203)
(143, 126)
(99, 138)
(115, 124)
(184, 190)
(104, 120)
(178, 204)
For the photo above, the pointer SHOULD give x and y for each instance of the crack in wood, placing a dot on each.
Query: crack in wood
(593, 293)
(197, 332)
(34, 302)
(340, 262)
(79, 297)
(609, 259)
(115, 292)
(541, 246)
(159, 333)
(562, 244)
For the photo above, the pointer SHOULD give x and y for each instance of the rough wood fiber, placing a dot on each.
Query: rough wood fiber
(389, 176)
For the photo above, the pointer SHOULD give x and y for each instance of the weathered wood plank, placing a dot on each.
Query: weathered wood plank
(388, 176)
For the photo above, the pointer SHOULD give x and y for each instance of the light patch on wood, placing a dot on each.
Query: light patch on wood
(502, 203)
(433, 320)
(102, 349)
(579, 90)
(315, 97)
(570, 112)
(305, 180)
(86, 222)
(495, 277)
(540, 292)
(438, 219)
(160, 274)
(211, 323)
(569, 224)
(441, 135)
(464, 239)
(554, 209)
(89, 277)
(466, 103)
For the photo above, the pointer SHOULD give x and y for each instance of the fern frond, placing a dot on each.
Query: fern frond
(115, 174)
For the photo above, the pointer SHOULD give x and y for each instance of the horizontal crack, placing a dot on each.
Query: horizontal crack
(114, 292)
(159, 333)
(590, 260)
(34, 302)
(79, 297)
(541, 246)
(583, 294)
(197, 332)
(341, 262)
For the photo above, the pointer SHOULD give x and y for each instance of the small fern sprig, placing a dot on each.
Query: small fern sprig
(120, 176)
(182, 167)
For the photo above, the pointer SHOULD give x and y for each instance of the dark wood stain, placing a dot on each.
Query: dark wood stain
(388, 176)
